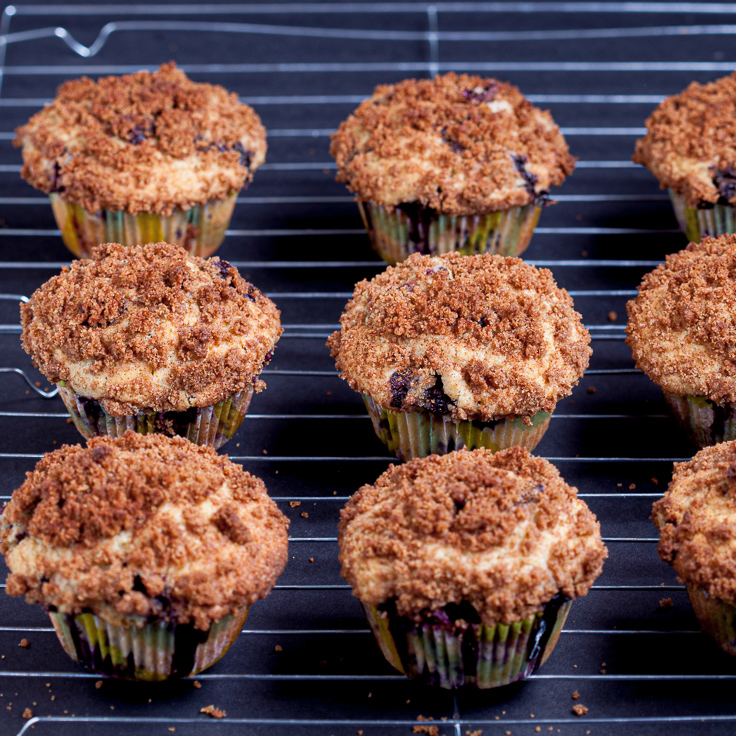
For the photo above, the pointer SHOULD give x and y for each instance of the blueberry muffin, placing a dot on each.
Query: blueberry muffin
(150, 339)
(454, 163)
(460, 351)
(681, 331)
(142, 158)
(466, 564)
(147, 552)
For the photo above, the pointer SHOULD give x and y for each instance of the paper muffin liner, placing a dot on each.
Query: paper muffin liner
(210, 425)
(705, 422)
(396, 234)
(451, 653)
(156, 651)
(717, 219)
(200, 229)
(716, 617)
(420, 433)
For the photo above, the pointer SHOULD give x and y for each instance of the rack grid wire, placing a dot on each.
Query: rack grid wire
(306, 663)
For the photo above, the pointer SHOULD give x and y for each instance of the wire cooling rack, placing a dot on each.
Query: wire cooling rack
(306, 663)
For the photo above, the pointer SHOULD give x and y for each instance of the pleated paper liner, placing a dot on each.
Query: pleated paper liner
(716, 617)
(200, 229)
(209, 425)
(717, 219)
(450, 654)
(156, 651)
(705, 422)
(420, 433)
(396, 233)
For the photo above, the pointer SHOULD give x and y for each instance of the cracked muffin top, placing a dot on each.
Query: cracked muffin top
(695, 518)
(501, 531)
(459, 144)
(143, 142)
(682, 325)
(690, 145)
(474, 337)
(149, 328)
(142, 526)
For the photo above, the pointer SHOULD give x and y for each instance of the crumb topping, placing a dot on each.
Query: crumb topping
(143, 142)
(690, 143)
(143, 526)
(695, 521)
(148, 327)
(682, 324)
(475, 337)
(501, 531)
(460, 144)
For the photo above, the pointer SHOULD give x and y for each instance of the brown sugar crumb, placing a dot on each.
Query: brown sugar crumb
(304, 515)
(197, 684)
(655, 481)
(329, 393)
(294, 504)
(429, 730)
(360, 732)
(537, 729)
(311, 559)
(666, 603)
(575, 695)
(172, 729)
(632, 486)
(579, 709)
(210, 710)
(477, 732)
(98, 684)
(278, 648)
(27, 714)
(24, 643)
(591, 389)
(612, 316)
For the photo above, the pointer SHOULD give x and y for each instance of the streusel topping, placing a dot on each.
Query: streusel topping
(682, 325)
(143, 142)
(143, 526)
(147, 327)
(457, 143)
(695, 518)
(690, 143)
(502, 531)
(474, 337)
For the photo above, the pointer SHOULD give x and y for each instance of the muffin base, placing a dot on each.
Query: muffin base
(451, 653)
(209, 425)
(717, 219)
(398, 232)
(200, 229)
(155, 651)
(705, 422)
(420, 433)
(716, 617)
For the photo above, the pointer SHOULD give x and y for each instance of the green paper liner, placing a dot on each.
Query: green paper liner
(705, 422)
(159, 650)
(395, 235)
(716, 617)
(200, 229)
(453, 654)
(210, 425)
(420, 433)
(718, 219)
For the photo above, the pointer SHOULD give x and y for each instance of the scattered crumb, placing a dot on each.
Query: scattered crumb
(276, 472)
(210, 710)
(612, 316)
(603, 664)
(294, 504)
(478, 732)
(278, 648)
(603, 672)
(53, 697)
(98, 684)
(575, 695)
(666, 603)
(632, 486)
(304, 515)
(575, 666)
(579, 710)
(619, 485)
(429, 730)
(237, 444)
(69, 420)
(197, 684)
(24, 643)
(329, 393)
(370, 695)
(655, 481)
(591, 389)
(28, 714)
(531, 715)
(37, 384)
(360, 732)
(537, 729)
(172, 729)
(265, 452)
(311, 559)
(334, 493)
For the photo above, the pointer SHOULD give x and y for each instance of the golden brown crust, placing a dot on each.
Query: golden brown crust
(495, 335)
(682, 325)
(142, 526)
(695, 518)
(149, 328)
(460, 144)
(690, 143)
(143, 142)
(502, 531)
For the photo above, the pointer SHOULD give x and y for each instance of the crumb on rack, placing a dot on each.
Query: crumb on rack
(294, 504)
(278, 648)
(591, 389)
(213, 712)
(24, 643)
(429, 730)
(304, 515)
(632, 486)
(666, 603)
(579, 709)
(612, 316)
(575, 695)
(197, 684)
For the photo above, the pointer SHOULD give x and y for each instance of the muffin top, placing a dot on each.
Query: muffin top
(143, 142)
(456, 143)
(682, 325)
(695, 518)
(143, 526)
(503, 532)
(148, 327)
(690, 143)
(474, 337)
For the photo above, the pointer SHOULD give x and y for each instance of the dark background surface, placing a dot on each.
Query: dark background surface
(600, 68)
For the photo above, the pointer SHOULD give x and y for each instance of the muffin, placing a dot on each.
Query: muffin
(695, 518)
(460, 351)
(147, 552)
(141, 158)
(467, 564)
(690, 146)
(454, 163)
(681, 331)
(147, 338)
